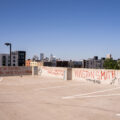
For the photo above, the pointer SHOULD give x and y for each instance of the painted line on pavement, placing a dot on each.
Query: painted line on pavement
(95, 96)
(56, 87)
(118, 115)
(86, 94)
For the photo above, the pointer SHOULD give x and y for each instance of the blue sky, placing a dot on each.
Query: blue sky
(69, 29)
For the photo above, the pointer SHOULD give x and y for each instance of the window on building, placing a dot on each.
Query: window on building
(14, 57)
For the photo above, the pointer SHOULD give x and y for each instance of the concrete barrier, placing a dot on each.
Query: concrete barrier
(15, 71)
(100, 76)
(34, 70)
(96, 75)
(69, 74)
(55, 72)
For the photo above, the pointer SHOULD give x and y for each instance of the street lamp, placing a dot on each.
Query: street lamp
(9, 44)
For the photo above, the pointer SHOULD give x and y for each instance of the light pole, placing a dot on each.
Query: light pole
(9, 44)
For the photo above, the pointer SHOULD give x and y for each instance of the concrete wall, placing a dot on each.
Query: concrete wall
(34, 70)
(14, 71)
(55, 72)
(100, 76)
(96, 75)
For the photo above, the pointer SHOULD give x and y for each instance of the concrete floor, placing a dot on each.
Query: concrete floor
(42, 98)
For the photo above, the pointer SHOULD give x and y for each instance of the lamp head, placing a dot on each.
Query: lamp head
(7, 44)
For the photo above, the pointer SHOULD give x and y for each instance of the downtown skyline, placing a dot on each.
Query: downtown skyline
(68, 29)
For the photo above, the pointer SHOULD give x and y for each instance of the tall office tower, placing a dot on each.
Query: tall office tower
(41, 56)
(51, 57)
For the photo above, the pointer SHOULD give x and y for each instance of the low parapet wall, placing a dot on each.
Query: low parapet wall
(15, 71)
(55, 72)
(100, 76)
(96, 75)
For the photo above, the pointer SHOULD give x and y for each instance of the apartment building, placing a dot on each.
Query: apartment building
(4, 60)
(94, 63)
(17, 59)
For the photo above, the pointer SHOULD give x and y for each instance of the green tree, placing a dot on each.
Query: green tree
(118, 62)
(110, 64)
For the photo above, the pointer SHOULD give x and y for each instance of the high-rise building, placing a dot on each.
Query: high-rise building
(46, 59)
(51, 57)
(41, 56)
(53, 60)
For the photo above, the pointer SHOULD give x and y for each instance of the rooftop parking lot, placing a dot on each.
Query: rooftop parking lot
(47, 98)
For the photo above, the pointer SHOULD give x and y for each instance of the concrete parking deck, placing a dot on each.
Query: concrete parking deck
(42, 98)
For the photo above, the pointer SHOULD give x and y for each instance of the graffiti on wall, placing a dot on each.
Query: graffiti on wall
(95, 74)
(53, 71)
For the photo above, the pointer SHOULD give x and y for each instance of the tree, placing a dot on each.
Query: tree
(110, 64)
(118, 62)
